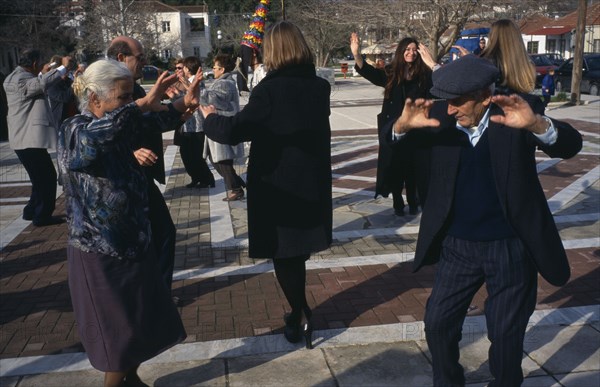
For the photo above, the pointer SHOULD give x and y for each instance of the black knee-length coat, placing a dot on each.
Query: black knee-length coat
(394, 164)
(289, 170)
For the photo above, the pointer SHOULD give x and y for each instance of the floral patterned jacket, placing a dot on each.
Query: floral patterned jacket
(106, 192)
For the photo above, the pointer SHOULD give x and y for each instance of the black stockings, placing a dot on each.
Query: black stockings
(291, 275)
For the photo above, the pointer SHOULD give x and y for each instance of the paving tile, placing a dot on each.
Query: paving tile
(185, 373)
(64, 379)
(580, 379)
(396, 364)
(299, 368)
(564, 349)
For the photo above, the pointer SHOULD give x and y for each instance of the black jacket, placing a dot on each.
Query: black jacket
(150, 135)
(525, 207)
(393, 163)
(289, 171)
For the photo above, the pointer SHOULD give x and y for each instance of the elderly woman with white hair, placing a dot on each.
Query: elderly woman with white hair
(122, 307)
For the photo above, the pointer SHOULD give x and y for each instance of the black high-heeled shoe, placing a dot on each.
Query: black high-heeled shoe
(307, 331)
(294, 331)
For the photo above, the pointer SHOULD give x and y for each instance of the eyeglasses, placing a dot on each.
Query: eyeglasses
(139, 57)
(179, 67)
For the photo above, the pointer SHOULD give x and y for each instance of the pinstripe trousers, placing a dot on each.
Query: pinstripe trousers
(511, 282)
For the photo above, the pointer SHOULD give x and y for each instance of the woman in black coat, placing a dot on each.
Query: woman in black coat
(408, 76)
(289, 170)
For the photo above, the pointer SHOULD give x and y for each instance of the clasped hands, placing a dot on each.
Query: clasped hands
(517, 114)
(152, 100)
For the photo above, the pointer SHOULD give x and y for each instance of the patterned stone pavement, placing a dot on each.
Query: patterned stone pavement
(363, 280)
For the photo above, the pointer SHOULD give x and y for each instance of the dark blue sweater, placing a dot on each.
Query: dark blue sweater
(476, 213)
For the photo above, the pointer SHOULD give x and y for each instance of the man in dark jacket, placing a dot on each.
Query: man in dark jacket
(149, 154)
(486, 219)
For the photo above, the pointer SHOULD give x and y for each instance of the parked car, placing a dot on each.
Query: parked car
(150, 73)
(590, 76)
(556, 59)
(542, 66)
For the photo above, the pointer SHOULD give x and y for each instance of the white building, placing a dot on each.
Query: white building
(182, 31)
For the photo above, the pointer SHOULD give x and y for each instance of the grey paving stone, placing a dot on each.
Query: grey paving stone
(187, 373)
(565, 349)
(474, 359)
(395, 364)
(540, 381)
(64, 379)
(346, 221)
(580, 379)
(298, 368)
(9, 381)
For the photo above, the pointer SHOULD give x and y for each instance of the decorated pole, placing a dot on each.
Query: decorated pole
(252, 39)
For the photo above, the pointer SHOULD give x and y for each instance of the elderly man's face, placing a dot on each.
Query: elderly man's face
(469, 109)
(136, 61)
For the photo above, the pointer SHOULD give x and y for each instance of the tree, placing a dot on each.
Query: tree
(578, 58)
(109, 18)
(323, 26)
(35, 23)
(438, 17)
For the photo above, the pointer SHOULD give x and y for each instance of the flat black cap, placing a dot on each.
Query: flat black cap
(463, 76)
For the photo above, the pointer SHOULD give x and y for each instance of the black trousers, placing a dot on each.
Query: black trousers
(511, 281)
(163, 233)
(402, 177)
(190, 148)
(42, 174)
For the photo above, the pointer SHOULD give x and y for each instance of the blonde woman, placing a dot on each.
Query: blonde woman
(507, 51)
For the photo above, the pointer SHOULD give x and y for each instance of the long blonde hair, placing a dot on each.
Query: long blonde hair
(506, 49)
(284, 45)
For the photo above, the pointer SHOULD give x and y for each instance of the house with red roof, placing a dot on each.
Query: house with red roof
(546, 35)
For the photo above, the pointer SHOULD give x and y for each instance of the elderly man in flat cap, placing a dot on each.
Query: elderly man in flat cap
(486, 219)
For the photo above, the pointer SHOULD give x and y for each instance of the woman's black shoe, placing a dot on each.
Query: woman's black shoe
(206, 185)
(294, 331)
(291, 330)
(192, 184)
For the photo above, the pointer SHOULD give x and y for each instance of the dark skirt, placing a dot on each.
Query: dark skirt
(123, 310)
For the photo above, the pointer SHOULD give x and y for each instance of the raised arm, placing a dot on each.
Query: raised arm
(355, 48)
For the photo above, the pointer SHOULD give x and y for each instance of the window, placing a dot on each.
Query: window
(197, 24)
(532, 47)
(551, 45)
(167, 54)
(166, 26)
(596, 45)
(197, 52)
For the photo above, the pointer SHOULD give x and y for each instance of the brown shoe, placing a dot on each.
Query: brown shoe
(237, 194)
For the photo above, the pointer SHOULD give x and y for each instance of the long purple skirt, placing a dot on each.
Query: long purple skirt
(123, 310)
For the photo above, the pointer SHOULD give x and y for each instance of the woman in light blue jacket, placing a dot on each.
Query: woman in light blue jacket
(224, 96)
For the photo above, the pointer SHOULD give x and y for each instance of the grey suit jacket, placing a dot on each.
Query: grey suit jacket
(30, 124)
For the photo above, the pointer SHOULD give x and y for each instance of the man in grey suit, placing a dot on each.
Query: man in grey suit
(31, 131)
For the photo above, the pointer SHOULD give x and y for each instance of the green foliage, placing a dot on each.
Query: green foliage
(560, 97)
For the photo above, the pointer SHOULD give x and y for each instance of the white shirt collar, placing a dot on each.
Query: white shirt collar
(475, 133)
